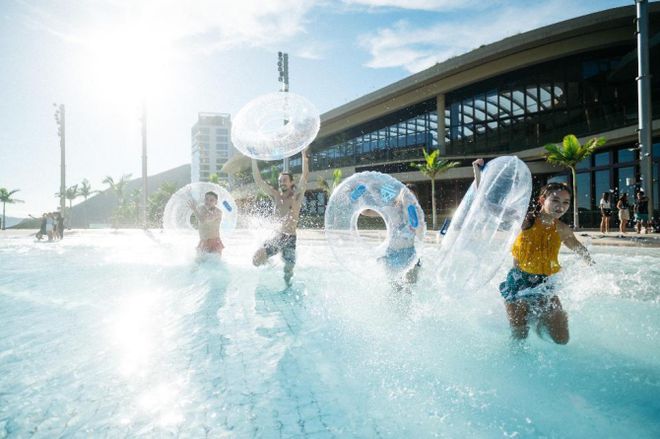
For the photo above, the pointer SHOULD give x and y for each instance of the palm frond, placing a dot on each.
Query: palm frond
(5, 196)
(571, 152)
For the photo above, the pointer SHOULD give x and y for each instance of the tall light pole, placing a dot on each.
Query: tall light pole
(283, 70)
(644, 101)
(60, 120)
(143, 120)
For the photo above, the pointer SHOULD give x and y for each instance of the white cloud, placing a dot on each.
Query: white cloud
(413, 48)
(311, 50)
(423, 5)
(205, 25)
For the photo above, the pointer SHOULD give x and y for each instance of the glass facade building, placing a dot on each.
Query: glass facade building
(590, 93)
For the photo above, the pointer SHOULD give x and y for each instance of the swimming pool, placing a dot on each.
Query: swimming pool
(110, 334)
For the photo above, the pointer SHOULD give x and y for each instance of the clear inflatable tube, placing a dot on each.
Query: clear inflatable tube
(486, 223)
(361, 252)
(178, 215)
(275, 125)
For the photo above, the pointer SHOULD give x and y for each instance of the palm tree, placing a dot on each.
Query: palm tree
(157, 202)
(5, 197)
(274, 175)
(432, 167)
(132, 210)
(71, 194)
(85, 190)
(118, 187)
(569, 154)
(215, 178)
(329, 188)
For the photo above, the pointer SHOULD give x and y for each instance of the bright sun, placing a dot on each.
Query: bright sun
(128, 64)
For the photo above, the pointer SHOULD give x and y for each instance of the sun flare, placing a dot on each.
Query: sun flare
(128, 64)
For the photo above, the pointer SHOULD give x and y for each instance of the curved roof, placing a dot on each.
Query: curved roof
(597, 30)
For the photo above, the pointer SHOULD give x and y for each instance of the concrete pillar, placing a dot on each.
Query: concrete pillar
(440, 108)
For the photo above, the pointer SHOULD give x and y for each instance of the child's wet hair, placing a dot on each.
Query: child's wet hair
(211, 193)
(535, 205)
(554, 187)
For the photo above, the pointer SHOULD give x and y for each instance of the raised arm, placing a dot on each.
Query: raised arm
(302, 184)
(259, 181)
(193, 205)
(569, 240)
(476, 168)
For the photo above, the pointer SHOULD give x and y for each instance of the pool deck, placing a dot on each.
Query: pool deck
(590, 236)
(617, 239)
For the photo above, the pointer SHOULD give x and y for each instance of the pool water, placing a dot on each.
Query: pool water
(115, 334)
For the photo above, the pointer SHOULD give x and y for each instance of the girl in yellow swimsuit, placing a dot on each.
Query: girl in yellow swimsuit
(527, 293)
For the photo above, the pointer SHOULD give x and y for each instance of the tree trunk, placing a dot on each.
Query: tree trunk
(433, 213)
(576, 216)
(3, 216)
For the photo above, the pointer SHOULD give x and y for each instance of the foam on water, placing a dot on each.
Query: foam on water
(109, 334)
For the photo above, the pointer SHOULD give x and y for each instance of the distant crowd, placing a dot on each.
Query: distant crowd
(52, 226)
(640, 217)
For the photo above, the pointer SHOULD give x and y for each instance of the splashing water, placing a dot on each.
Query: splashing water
(122, 334)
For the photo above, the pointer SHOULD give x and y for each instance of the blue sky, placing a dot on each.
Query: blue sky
(100, 57)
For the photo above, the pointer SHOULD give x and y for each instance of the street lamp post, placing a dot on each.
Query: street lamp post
(644, 101)
(61, 124)
(283, 69)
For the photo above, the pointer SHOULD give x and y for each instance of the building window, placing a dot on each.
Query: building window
(602, 158)
(601, 183)
(626, 181)
(625, 155)
(584, 191)
(580, 94)
(400, 136)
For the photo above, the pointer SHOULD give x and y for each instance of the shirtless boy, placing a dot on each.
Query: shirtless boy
(209, 218)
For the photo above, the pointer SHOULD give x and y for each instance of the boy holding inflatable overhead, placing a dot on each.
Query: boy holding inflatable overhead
(209, 218)
(287, 202)
(527, 291)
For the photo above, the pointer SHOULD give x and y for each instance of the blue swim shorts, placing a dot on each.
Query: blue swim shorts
(522, 285)
(399, 258)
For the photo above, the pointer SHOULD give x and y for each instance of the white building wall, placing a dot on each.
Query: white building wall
(211, 145)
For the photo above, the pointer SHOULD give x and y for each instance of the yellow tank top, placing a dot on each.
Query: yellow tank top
(537, 248)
